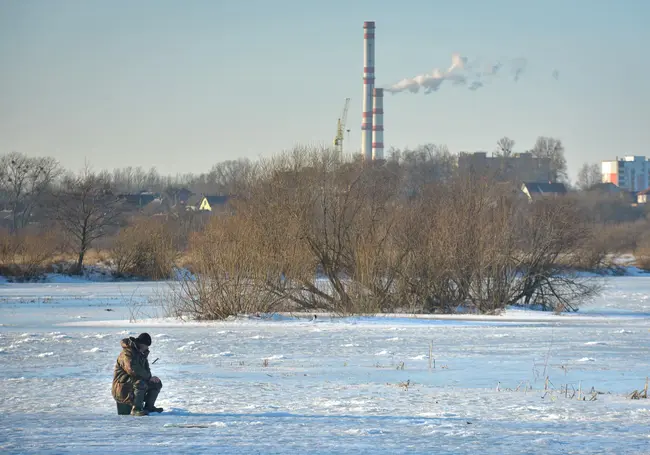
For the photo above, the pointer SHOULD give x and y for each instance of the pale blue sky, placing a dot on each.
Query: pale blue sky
(181, 85)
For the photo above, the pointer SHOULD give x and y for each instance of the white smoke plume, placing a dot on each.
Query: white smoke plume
(473, 75)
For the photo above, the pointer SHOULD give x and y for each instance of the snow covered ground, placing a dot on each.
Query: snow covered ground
(336, 386)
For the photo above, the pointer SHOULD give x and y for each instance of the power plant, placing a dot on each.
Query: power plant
(378, 124)
(367, 130)
(372, 124)
(471, 74)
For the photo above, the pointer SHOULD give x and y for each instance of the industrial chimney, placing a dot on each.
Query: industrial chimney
(368, 86)
(378, 124)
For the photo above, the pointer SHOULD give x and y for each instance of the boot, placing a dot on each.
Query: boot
(139, 412)
(138, 403)
(150, 401)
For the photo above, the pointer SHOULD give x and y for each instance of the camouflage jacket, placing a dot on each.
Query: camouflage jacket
(131, 366)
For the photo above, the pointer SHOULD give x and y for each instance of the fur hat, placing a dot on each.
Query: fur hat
(144, 338)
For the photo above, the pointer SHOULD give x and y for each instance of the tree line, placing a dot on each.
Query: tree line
(310, 229)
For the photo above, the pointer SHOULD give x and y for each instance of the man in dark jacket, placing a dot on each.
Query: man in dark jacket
(133, 383)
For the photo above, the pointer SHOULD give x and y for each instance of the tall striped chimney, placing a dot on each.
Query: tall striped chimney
(378, 124)
(368, 86)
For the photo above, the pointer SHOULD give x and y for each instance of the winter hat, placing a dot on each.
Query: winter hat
(144, 338)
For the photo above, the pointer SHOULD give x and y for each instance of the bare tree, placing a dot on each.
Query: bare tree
(229, 175)
(85, 207)
(505, 146)
(588, 176)
(24, 181)
(423, 165)
(552, 148)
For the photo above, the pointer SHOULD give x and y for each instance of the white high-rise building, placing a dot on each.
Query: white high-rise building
(631, 173)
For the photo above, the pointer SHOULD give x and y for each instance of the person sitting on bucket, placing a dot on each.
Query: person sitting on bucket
(133, 383)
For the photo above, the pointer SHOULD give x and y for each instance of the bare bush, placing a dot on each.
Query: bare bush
(483, 249)
(341, 215)
(465, 248)
(642, 252)
(314, 230)
(227, 274)
(607, 242)
(148, 248)
(552, 233)
(28, 254)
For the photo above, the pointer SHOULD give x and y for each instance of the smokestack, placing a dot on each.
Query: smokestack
(368, 86)
(378, 124)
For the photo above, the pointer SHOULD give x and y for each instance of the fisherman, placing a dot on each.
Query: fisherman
(133, 383)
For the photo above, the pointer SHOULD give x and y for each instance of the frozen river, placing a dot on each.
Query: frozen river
(330, 386)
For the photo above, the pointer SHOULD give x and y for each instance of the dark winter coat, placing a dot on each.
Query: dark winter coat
(131, 366)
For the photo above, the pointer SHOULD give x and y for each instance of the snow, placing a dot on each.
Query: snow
(289, 384)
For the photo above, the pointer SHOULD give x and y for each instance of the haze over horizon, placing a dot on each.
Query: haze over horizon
(183, 85)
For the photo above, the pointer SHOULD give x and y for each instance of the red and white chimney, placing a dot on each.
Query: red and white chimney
(378, 124)
(368, 86)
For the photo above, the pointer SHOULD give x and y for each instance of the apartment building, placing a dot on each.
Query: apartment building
(631, 172)
(520, 167)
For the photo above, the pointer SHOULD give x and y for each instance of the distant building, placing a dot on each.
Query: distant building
(535, 190)
(135, 201)
(631, 173)
(178, 196)
(209, 203)
(642, 196)
(520, 167)
(605, 188)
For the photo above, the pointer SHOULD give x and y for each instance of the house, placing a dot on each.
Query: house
(138, 201)
(210, 203)
(605, 188)
(178, 196)
(642, 196)
(536, 190)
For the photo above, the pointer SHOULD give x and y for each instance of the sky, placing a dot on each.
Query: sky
(182, 85)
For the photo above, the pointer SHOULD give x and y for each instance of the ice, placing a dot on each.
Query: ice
(419, 357)
(188, 346)
(325, 391)
(274, 357)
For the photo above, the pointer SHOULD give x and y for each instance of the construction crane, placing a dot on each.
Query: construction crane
(340, 127)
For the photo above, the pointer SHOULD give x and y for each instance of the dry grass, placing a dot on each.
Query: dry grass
(637, 395)
(28, 255)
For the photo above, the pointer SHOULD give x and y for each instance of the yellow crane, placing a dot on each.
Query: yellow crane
(340, 127)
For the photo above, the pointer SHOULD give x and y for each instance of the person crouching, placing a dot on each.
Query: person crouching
(133, 383)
